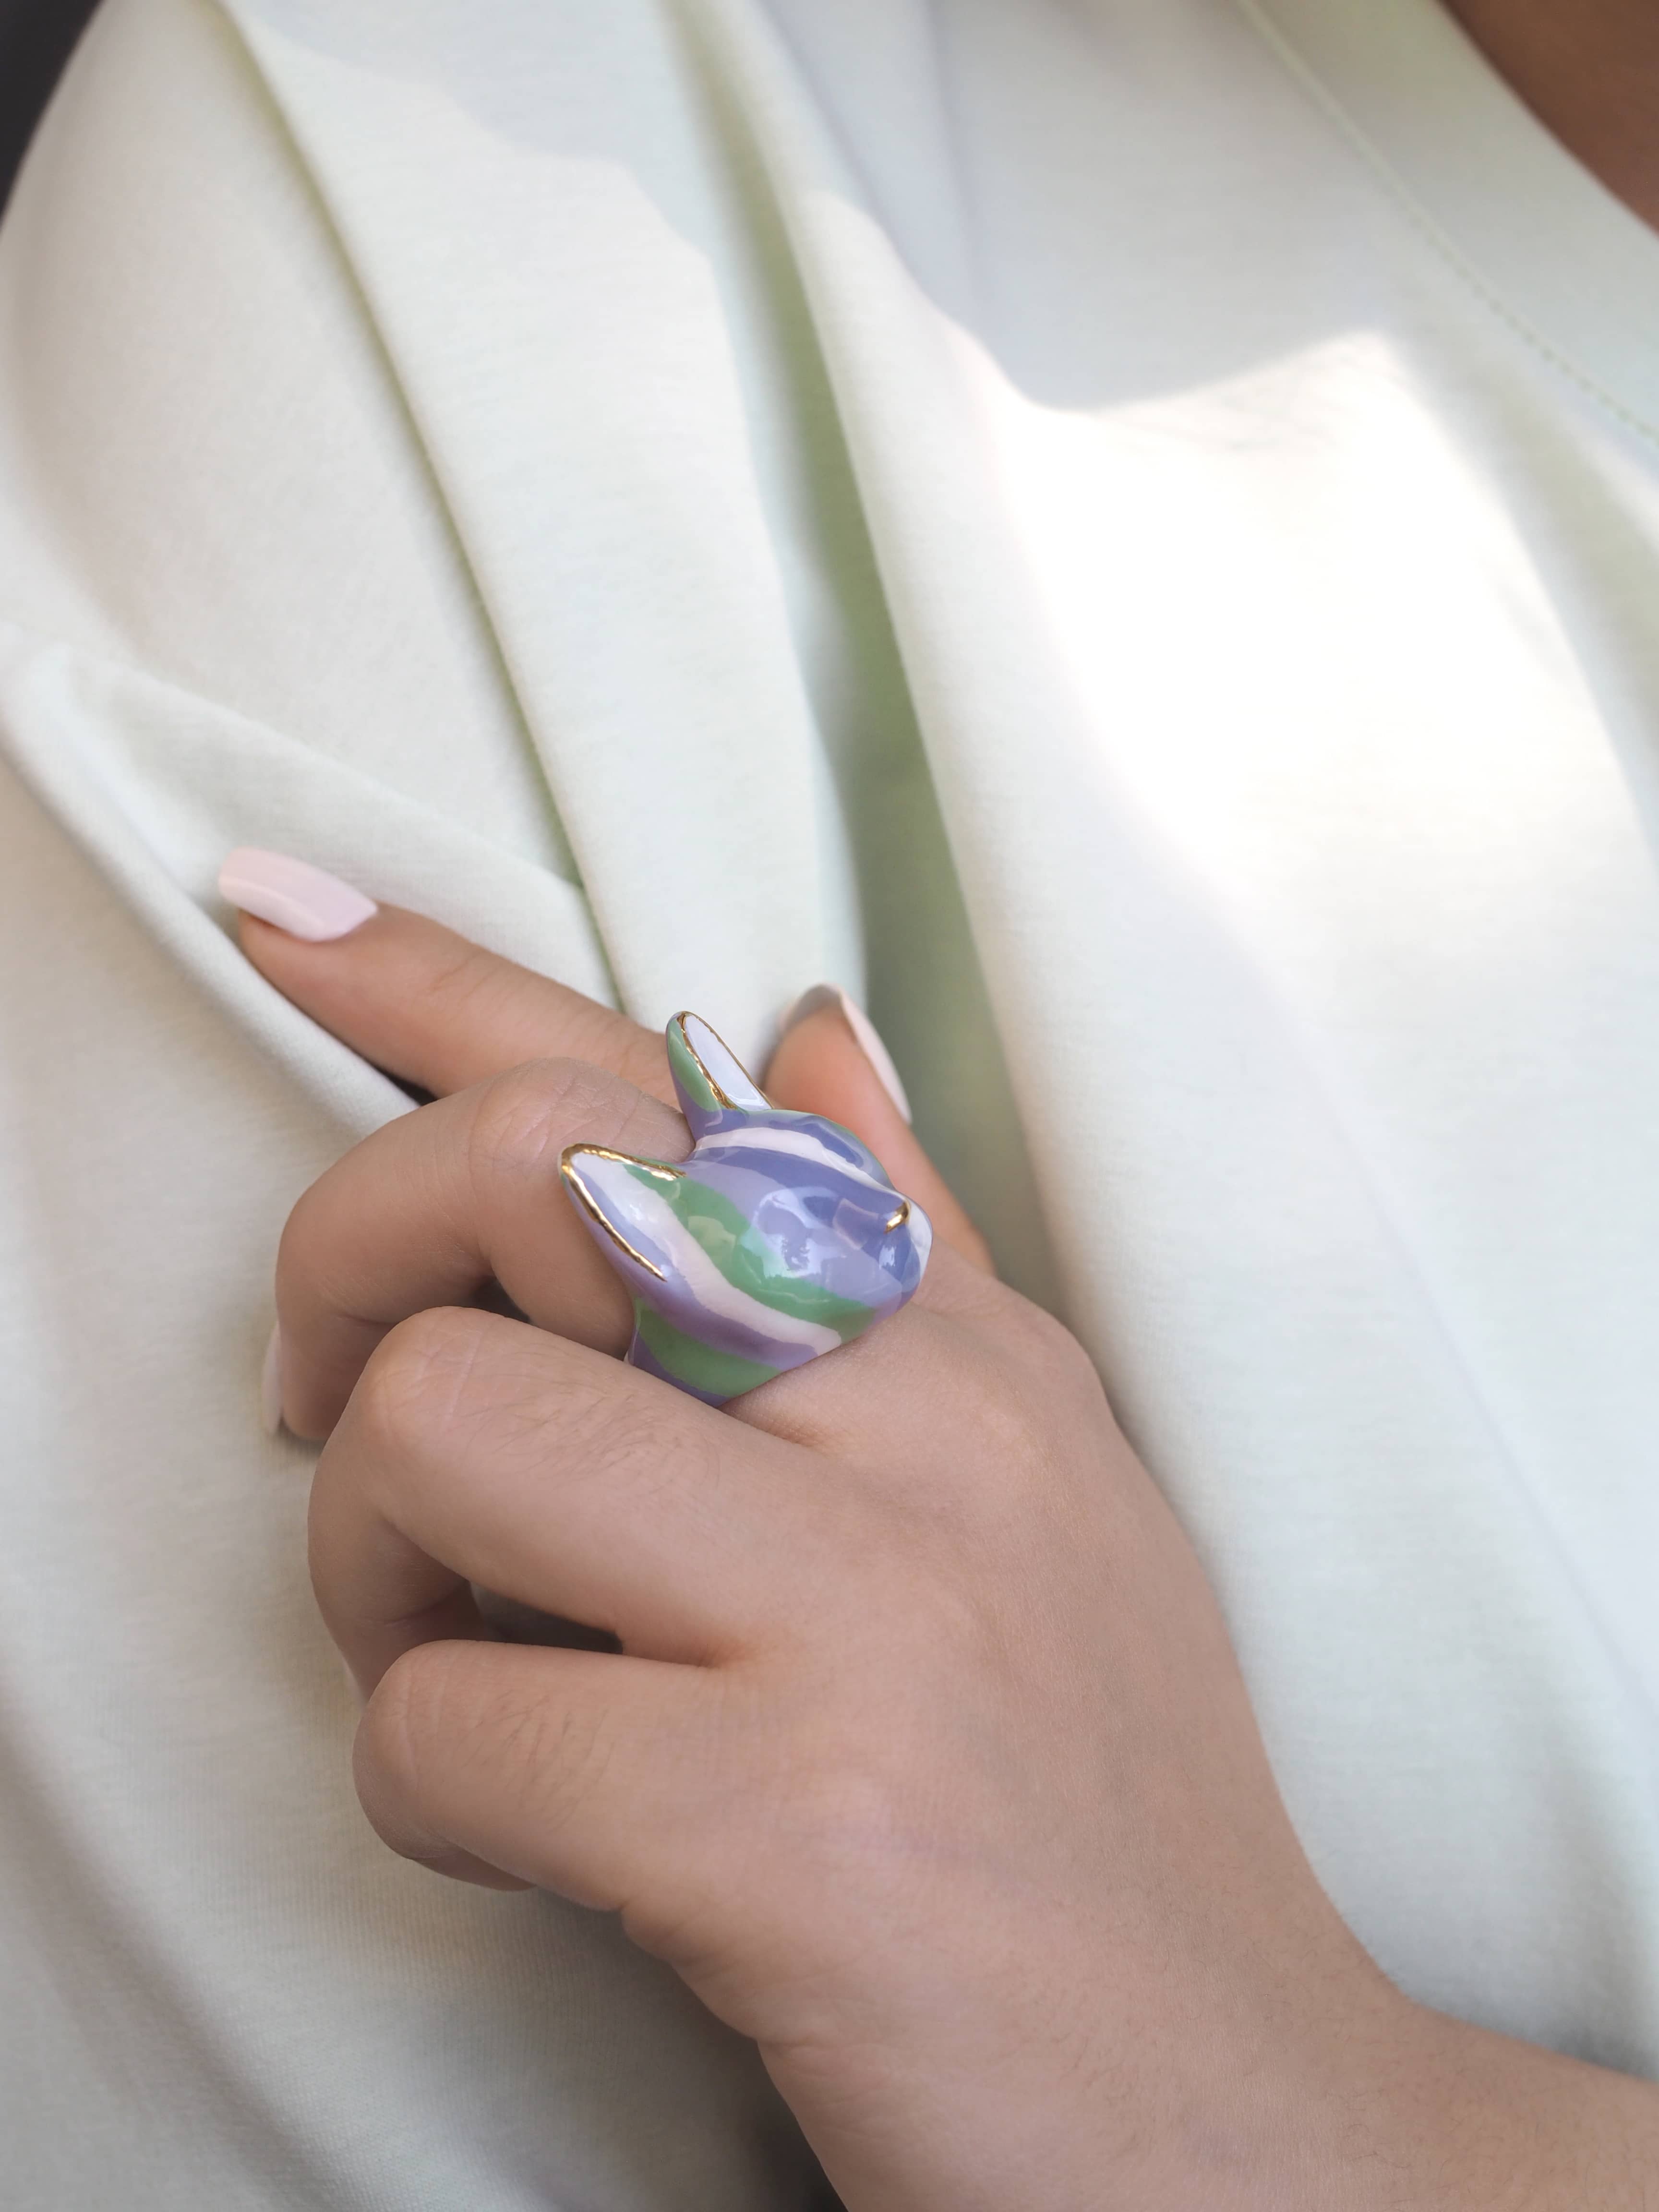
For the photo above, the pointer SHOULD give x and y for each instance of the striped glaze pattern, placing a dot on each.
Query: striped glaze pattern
(778, 1239)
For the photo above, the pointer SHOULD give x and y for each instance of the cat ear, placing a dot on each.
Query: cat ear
(709, 1078)
(620, 1199)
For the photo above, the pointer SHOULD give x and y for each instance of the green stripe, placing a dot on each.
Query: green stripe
(748, 1263)
(722, 1374)
(683, 1067)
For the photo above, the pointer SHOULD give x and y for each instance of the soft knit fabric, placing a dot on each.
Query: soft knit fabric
(1124, 532)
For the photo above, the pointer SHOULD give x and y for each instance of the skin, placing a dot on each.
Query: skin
(1590, 71)
(925, 1761)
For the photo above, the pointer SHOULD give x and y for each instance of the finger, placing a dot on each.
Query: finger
(823, 1066)
(478, 1450)
(887, 1413)
(505, 1765)
(442, 1013)
(436, 1204)
(418, 1001)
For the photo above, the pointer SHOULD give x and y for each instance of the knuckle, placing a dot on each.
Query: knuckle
(303, 1250)
(522, 1120)
(987, 1403)
(1004, 1415)
(437, 1711)
(417, 1376)
(643, 1445)
(1039, 1374)
(405, 1712)
(865, 1798)
(426, 1703)
(951, 1614)
(522, 1117)
(558, 1755)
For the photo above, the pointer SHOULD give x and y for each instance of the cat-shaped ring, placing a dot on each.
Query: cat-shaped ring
(779, 1238)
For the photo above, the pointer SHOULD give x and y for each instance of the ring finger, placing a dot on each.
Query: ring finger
(478, 1450)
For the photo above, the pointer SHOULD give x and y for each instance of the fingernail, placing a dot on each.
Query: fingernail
(270, 1384)
(831, 994)
(291, 894)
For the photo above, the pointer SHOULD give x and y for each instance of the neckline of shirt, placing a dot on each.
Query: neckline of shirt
(1544, 241)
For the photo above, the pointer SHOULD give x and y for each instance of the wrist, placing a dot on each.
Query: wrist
(1410, 2111)
(1318, 2089)
(1319, 2097)
(1238, 2093)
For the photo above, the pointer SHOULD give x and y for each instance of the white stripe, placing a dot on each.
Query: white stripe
(723, 1067)
(921, 1238)
(659, 1221)
(800, 1145)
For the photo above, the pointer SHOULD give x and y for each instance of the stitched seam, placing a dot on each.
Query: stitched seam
(1310, 83)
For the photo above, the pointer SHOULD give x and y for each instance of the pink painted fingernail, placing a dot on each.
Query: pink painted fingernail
(863, 1028)
(291, 894)
(270, 1384)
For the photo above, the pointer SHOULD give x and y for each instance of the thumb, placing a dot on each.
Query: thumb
(830, 1061)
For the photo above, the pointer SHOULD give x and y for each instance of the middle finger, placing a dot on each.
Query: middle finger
(479, 1451)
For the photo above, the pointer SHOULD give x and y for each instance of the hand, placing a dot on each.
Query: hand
(925, 1761)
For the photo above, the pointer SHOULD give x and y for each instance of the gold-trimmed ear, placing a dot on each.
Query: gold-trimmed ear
(710, 1079)
(601, 1198)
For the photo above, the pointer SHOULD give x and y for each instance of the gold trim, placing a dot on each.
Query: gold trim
(591, 1205)
(660, 1169)
(721, 1097)
(897, 1219)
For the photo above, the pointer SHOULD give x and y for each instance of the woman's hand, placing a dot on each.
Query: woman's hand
(925, 1761)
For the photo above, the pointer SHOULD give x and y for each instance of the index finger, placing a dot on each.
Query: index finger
(443, 1014)
(420, 1001)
